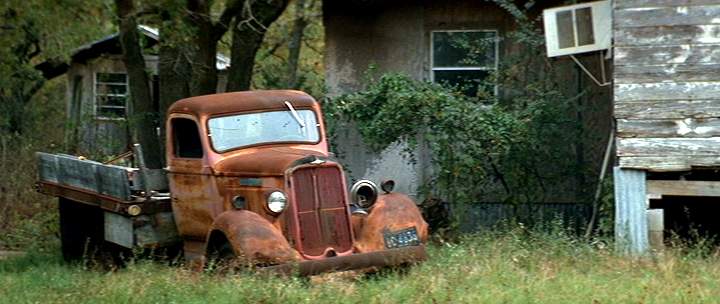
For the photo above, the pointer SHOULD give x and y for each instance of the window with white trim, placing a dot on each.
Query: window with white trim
(465, 58)
(111, 95)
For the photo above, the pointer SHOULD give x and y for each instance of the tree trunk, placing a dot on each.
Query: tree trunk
(174, 70)
(247, 36)
(295, 44)
(142, 119)
(204, 71)
(185, 69)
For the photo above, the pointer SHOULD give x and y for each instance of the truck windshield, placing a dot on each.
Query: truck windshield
(234, 131)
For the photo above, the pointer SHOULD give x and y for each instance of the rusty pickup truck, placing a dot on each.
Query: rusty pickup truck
(249, 179)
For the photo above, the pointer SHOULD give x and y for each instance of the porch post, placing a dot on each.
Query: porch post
(631, 232)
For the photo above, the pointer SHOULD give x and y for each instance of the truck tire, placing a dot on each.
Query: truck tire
(220, 256)
(81, 230)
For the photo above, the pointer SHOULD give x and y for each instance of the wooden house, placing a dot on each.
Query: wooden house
(667, 111)
(97, 91)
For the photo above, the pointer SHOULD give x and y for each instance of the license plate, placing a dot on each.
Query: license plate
(401, 238)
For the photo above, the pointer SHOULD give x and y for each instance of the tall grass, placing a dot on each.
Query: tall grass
(514, 267)
(27, 218)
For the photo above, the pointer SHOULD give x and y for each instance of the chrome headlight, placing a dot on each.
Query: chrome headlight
(276, 202)
(364, 193)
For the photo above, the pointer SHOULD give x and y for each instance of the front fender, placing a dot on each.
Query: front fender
(252, 238)
(391, 212)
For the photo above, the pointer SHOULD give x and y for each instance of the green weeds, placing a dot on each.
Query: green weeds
(512, 267)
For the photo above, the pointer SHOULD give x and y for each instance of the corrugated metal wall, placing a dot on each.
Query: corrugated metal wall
(482, 216)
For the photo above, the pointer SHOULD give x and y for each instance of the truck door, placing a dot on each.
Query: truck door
(195, 197)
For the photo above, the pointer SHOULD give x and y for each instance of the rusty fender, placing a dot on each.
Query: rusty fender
(383, 258)
(253, 239)
(391, 212)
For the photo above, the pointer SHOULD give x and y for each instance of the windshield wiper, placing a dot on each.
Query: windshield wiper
(295, 114)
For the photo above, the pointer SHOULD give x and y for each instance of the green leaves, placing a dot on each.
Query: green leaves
(33, 31)
(517, 148)
(459, 132)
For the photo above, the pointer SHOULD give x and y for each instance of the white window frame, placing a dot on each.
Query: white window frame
(601, 26)
(95, 95)
(493, 68)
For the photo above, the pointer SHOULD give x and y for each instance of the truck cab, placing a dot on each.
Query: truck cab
(251, 172)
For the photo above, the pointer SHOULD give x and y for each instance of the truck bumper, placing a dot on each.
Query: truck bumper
(390, 257)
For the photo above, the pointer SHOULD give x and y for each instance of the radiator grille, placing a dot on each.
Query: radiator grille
(321, 210)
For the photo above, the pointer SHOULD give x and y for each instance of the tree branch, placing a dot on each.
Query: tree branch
(233, 8)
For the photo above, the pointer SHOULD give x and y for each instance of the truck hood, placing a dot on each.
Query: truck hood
(263, 161)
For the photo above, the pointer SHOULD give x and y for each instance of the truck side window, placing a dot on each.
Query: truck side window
(186, 138)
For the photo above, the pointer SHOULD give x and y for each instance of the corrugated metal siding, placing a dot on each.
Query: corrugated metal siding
(482, 216)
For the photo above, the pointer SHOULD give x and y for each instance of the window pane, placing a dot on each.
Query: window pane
(110, 95)
(469, 82)
(116, 101)
(583, 17)
(111, 89)
(565, 33)
(234, 131)
(111, 112)
(112, 77)
(464, 49)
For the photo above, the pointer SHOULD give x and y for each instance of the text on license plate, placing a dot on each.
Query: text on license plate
(401, 238)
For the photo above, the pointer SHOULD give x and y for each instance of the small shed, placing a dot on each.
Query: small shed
(667, 111)
(97, 91)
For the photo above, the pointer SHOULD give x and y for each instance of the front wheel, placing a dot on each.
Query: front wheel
(222, 259)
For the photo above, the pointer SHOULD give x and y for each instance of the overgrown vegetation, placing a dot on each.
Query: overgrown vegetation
(29, 219)
(526, 143)
(514, 267)
(461, 135)
(34, 31)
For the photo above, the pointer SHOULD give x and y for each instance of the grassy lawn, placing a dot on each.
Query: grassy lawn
(508, 268)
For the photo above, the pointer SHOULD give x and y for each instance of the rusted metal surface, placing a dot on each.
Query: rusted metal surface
(218, 104)
(254, 240)
(262, 161)
(107, 203)
(156, 230)
(385, 258)
(321, 224)
(392, 212)
(202, 188)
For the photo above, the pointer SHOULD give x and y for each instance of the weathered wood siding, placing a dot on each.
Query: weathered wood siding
(667, 83)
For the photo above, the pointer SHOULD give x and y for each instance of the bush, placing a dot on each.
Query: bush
(461, 135)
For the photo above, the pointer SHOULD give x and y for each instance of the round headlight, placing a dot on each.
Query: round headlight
(364, 193)
(276, 202)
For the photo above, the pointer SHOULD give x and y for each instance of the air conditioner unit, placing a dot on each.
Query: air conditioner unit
(578, 28)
